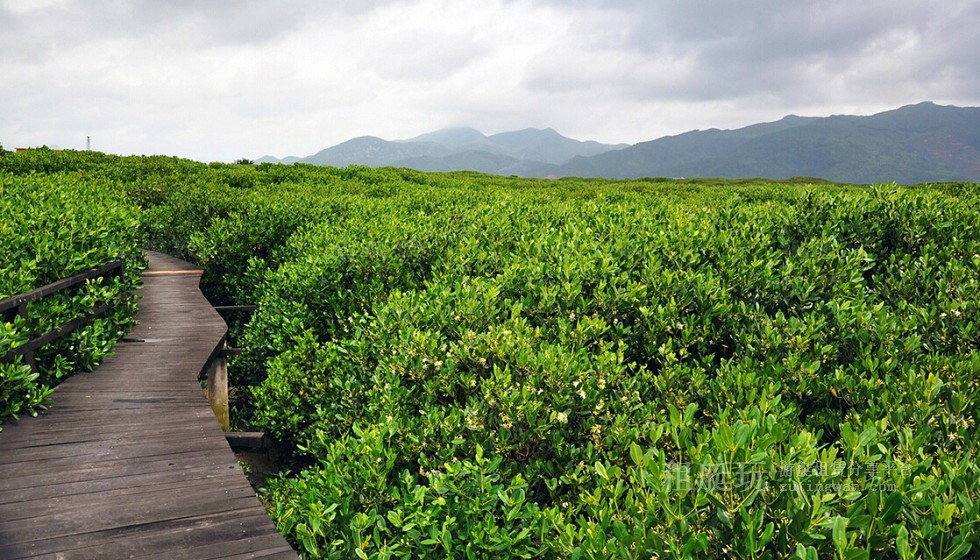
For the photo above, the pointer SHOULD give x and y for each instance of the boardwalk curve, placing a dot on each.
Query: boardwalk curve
(130, 461)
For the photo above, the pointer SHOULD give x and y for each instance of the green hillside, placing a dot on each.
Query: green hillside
(913, 144)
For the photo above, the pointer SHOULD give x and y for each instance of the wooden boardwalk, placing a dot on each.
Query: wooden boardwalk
(130, 462)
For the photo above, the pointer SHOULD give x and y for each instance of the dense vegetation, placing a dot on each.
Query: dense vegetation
(56, 224)
(474, 366)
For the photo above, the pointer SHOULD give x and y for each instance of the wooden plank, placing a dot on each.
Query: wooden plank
(170, 538)
(175, 463)
(140, 478)
(42, 504)
(106, 517)
(174, 423)
(129, 461)
(58, 457)
(173, 273)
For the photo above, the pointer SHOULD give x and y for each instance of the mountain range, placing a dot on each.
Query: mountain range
(913, 144)
(522, 152)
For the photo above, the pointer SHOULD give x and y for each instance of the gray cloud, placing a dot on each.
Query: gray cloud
(215, 79)
(710, 50)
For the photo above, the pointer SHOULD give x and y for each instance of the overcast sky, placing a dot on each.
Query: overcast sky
(216, 80)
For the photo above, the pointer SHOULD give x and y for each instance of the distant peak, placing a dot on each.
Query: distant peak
(921, 105)
(452, 135)
(537, 132)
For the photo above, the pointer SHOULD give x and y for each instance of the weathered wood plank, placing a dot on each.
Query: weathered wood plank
(174, 463)
(170, 538)
(130, 461)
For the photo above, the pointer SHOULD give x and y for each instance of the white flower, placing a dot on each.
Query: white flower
(563, 417)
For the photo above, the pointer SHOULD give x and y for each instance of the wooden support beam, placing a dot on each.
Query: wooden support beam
(218, 389)
(229, 308)
(247, 441)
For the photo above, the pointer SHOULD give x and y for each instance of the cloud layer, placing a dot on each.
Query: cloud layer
(218, 80)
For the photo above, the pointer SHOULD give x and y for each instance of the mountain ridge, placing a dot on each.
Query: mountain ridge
(457, 148)
(923, 142)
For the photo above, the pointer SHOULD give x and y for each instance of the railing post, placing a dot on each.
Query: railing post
(29, 355)
(218, 389)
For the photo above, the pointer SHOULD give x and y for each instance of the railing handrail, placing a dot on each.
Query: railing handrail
(58, 285)
(17, 306)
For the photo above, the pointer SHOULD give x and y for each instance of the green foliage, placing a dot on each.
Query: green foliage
(19, 387)
(778, 374)
(55, 225)
(477, 366)
(359, 505)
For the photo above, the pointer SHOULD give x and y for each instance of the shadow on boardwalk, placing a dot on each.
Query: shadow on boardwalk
(130, 462)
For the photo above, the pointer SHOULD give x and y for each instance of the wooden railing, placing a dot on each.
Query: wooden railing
(16, 306)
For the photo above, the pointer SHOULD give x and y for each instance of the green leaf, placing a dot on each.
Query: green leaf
(689, 412)
(724, 438)
(636, 454)
(838, 532)
(725, 519)
(600, 469)
(868, 436)
(805, 552)
(902, 543)
(894, 504)
(959, 551)
(767, 534)
(622, 535)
